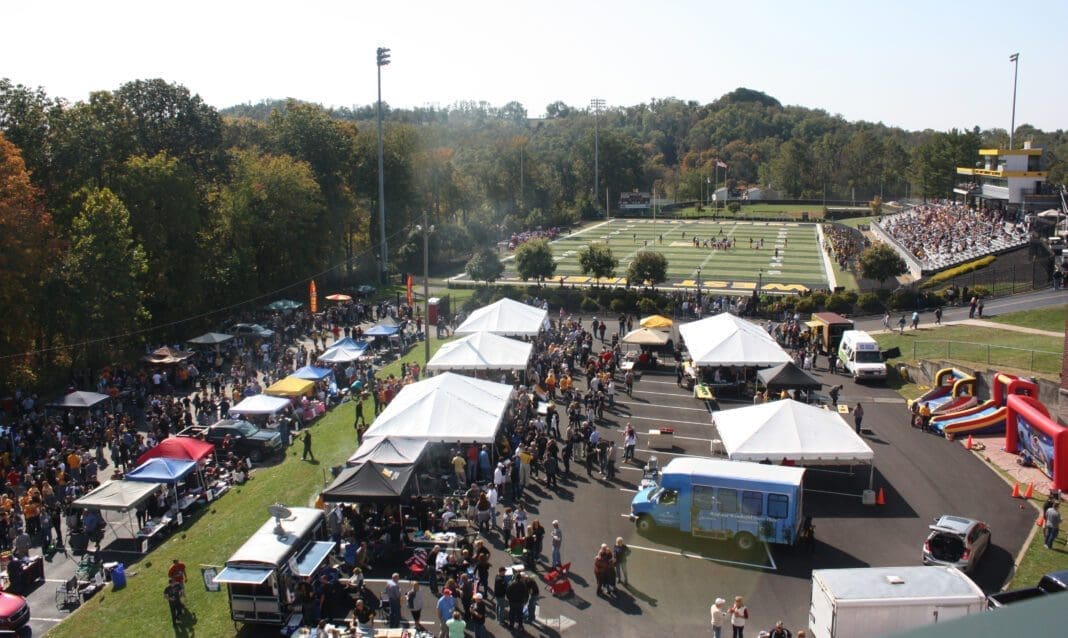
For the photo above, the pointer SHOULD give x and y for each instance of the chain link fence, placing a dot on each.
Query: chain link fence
(1006, 356)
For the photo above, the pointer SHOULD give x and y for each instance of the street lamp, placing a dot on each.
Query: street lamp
(383, 59)
(699, 292)
(426, 285)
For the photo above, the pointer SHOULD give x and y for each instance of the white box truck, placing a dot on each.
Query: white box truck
(877, 601)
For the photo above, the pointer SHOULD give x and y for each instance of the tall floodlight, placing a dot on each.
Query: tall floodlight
(383, 60)
(1015, 59)
(596, 105)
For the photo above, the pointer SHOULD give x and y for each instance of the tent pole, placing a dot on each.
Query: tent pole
(871, 474)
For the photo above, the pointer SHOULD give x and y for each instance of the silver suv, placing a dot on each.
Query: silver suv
(956, 541)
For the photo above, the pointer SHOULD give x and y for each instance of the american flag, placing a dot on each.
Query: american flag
(1014, 57)
(720, 164)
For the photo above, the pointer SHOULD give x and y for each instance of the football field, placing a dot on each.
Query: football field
(779, 256)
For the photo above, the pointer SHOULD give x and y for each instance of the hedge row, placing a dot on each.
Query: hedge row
(962, 269)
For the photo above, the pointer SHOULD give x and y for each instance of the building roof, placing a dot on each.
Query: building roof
(896, 583)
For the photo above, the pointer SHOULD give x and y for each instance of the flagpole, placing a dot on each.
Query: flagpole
(1015, 59)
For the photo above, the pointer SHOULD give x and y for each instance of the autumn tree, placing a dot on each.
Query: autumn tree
(26, 249)
(485, 266)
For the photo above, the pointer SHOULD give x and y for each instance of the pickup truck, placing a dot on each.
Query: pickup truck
(245, 438)
(1051, 583)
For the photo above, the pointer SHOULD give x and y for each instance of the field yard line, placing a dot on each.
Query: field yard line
(713, 253)
(827, 268)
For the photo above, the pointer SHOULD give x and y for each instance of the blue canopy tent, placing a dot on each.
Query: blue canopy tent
(381, 330)
(170, 471)
(350, 343)
(312, 373)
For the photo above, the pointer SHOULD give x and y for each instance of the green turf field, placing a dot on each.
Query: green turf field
(799, 264)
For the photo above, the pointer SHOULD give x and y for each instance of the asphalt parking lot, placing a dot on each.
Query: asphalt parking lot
(675, 577)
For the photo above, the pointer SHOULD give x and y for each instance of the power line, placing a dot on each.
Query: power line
(202, 315)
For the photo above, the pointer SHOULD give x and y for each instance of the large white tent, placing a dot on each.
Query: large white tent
(482, 351)
(261, 404)
(505, 317)
(342, 353)
(388, 451)
(726, 340)
(449, 407)
(790, 430)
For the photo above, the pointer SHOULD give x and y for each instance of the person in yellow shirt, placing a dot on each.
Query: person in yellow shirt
(74, 464)
(925, 416)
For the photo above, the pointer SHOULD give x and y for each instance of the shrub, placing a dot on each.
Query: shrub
(870, 303)
(908, 299)
(806, 304)
(839, 303)
(734, 207)
(648, 306)
(819, 299)
(956, 271)
(980, 291)
(618, 304)
(589, 305)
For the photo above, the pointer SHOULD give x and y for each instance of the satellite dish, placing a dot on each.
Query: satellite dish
(279, 511)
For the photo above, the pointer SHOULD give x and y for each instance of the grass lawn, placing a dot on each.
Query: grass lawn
(789, 260)
(764, 211)
(979, 347)
(853, 222)
(1037, 560)
(140, 609)
(1051, 319)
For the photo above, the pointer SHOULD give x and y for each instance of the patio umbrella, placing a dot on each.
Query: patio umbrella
(211, 339)
(339, 297)
(284, 304)
(645, 337)
(656, 321)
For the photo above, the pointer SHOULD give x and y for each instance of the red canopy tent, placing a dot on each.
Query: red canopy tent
(179, 447)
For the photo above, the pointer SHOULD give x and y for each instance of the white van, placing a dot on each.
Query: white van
(860, 356)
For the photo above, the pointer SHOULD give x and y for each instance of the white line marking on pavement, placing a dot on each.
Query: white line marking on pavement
(685, 554)
(663, 420)
(627, 489)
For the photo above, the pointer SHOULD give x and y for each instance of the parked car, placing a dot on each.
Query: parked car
(251, 330)
(1051, 583)
(956, 541)
(14, 612)
(245, 438)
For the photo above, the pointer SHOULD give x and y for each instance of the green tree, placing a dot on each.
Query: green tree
(534, 260)
(485, 266)
(648, 266)
(161, 195)
(881, 262)
(102, 274)
(597, 260)
(790, 169)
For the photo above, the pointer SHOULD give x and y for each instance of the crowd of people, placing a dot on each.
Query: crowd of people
(844, 244)
(520, 238)
(944, 234)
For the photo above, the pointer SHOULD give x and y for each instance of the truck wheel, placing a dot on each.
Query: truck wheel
(645, 524)
(745, 541)
(255, 456)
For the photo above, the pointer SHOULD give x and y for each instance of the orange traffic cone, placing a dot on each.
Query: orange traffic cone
(969, 443)
(1016, 490)
(1041, 522)
(880, 499)
(1030, 491)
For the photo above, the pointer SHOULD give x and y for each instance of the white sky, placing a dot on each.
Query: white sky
(909, 63)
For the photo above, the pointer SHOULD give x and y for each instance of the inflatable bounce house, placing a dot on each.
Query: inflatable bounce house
(1033, 434)
(987, 417)
(953, 391)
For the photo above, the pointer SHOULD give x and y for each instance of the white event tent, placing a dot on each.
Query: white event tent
(388, 451)
(261, 404)
(506, 317)
(482, 351)
(449, 407)
(791, 430)
(726, 340)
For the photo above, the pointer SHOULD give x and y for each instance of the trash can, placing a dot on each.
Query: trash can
(118, 577)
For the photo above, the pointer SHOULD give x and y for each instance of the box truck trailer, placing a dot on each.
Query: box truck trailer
(877, 601)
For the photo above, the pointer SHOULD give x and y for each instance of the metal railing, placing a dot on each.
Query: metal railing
(1007, 356)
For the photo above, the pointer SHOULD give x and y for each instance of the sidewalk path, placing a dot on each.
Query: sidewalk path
(982, 323)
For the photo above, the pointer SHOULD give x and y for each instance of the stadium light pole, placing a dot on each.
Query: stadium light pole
(382, 55)
(596, 104)
(1015, 59)
(426, 285)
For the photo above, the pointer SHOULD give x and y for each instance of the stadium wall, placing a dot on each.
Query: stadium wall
(914, 265)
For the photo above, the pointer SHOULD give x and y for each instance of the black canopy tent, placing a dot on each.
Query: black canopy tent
(371, 482)
(788, 376)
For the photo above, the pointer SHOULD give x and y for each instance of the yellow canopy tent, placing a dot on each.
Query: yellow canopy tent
(656, 321)
(290, 387)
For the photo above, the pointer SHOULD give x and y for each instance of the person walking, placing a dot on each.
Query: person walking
(556, 538)
(938, 316)
(517, 598)
(915, 319)
(414, 600)
(455, 627)
(630, 441)
(719, 617)
(886, 320)
(620, 552)
(500, 595)
(392, 595)
(446, 607)
(901, 325)
(858, 416)
(307, 440)
(173, 593)
(738, 614)
(1052, 525)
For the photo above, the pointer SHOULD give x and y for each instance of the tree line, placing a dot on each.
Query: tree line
(142, 206)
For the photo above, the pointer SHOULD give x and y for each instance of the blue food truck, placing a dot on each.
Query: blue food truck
(727, 500)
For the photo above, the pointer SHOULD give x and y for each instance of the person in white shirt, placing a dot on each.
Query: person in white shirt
(492, 496)
(719, 615)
